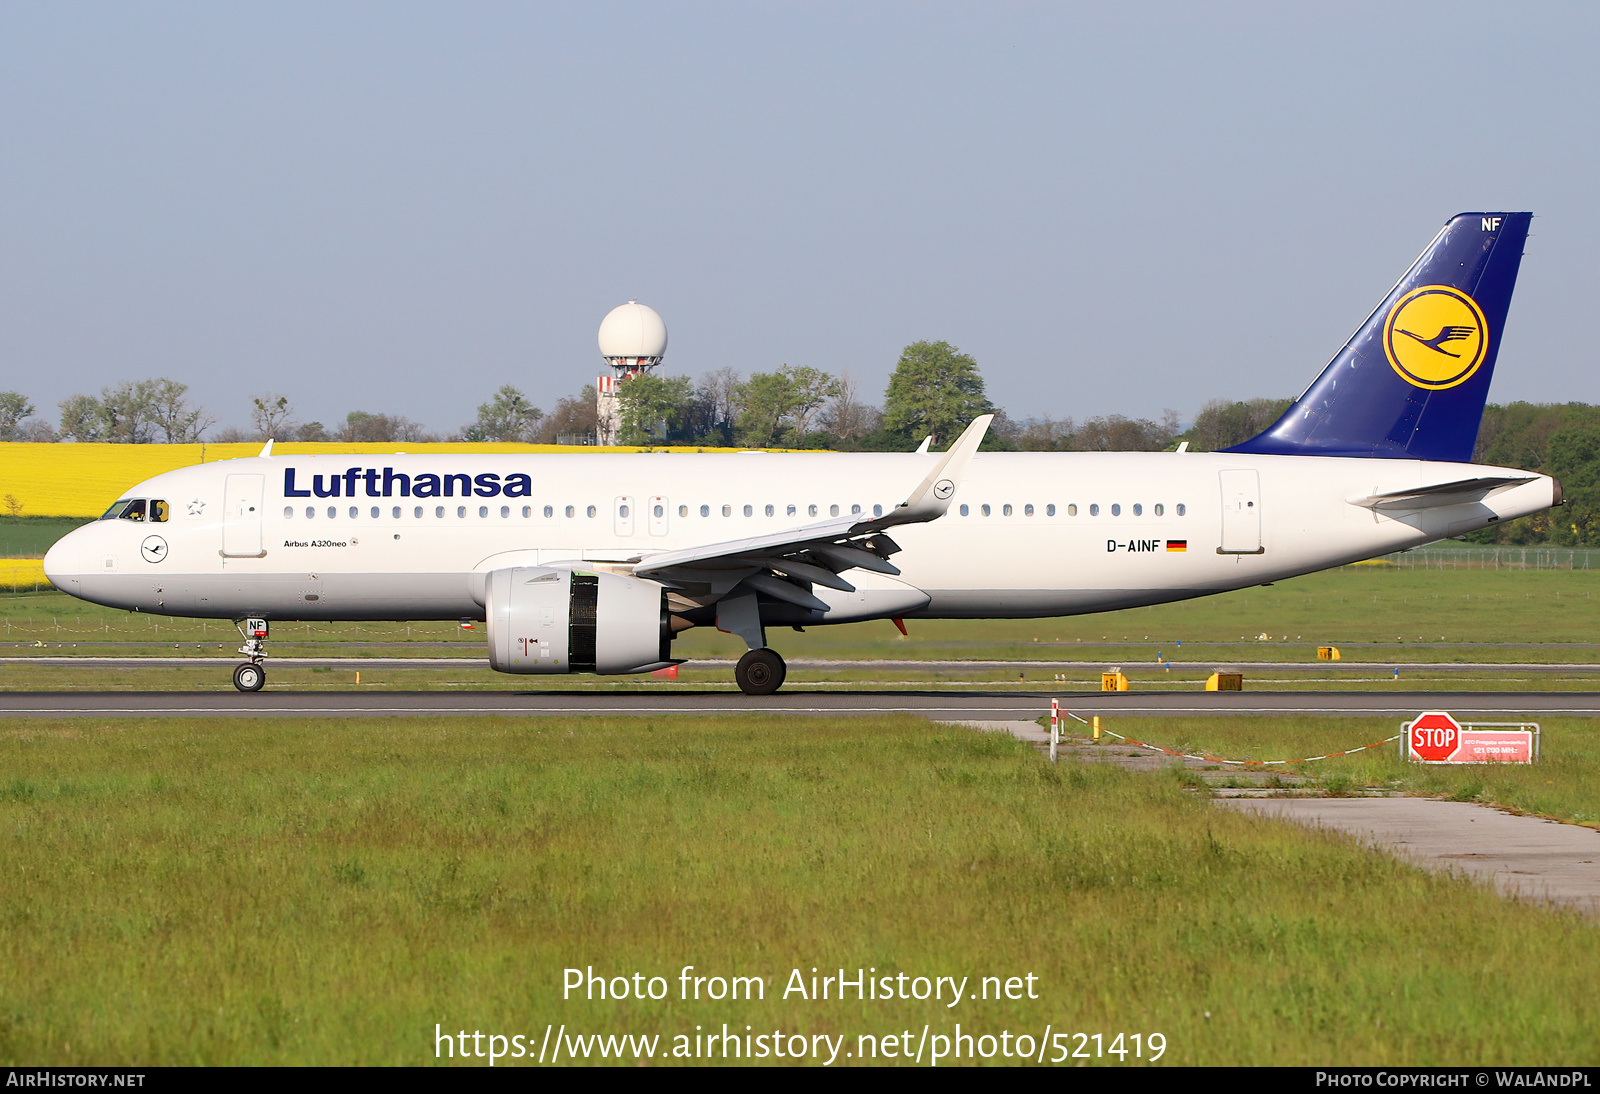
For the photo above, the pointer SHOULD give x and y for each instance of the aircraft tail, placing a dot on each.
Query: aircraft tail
(1412, 382)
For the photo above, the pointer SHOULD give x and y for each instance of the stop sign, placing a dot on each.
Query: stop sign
(1434, 736)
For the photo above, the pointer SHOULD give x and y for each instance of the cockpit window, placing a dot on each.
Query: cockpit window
(139, 509)
(126, 509)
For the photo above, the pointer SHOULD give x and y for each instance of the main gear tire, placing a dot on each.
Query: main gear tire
(760, 672)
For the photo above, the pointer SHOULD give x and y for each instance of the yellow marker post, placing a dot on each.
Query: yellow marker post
(1097, 729)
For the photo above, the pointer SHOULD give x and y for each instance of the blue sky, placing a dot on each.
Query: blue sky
(1115, 208)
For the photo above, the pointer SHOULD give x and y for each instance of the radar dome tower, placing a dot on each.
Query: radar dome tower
(633, 340)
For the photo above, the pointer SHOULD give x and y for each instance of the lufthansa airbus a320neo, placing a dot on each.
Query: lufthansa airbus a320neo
(593, 563)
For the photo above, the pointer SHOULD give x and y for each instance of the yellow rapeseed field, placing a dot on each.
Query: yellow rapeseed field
(82, 480)
(22, 574)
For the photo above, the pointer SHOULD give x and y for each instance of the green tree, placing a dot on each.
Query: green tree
(936, 389)
(1221, 424)
(652, 407)
(14, 407)
(80, 419)
(781, 407)
(170, 412)
(360, 425)
(509, 416)
(1574, 459)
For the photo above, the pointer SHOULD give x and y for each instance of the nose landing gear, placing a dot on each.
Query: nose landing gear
(252, 675)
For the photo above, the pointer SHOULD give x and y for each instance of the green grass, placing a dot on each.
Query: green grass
(1560, 785)
(31, 537)
(180, 892)
(1370, 612)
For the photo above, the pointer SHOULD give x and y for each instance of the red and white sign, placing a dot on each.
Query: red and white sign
(1495, 746)
(1434, 737)
(1437, 738)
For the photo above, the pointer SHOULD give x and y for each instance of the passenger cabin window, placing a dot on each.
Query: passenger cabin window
(1138, 510)
(1027, 510)
(984, 508)
(1180, 509)
(1005, 510)
(811, 510)
(705, 510)
(549, 511)
(1159, 509)
(1094, 510)
(1116, 510)
(1072, 510)
(963, 510)
(833, 510)
(1049, 510)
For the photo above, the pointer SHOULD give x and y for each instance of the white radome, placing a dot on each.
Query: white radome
(632, 330)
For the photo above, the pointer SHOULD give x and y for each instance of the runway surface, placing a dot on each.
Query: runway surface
(1007, 705)
(74, 661)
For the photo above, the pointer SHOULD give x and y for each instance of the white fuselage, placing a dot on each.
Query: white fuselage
(1103, 532)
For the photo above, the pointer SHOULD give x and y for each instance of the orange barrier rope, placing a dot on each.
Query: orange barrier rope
(1234, 763)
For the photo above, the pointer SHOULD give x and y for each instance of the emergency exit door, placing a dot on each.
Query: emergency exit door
(1241, 513)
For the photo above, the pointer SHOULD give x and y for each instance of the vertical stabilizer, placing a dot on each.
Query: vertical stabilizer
(1412, 382)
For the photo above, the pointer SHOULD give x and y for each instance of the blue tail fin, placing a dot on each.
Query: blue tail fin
(1412, 382)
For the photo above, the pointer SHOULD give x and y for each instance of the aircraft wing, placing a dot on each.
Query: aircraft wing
(784, 565)
(1445, 493)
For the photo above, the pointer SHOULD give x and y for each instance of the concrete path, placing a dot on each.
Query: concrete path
(1527, 856)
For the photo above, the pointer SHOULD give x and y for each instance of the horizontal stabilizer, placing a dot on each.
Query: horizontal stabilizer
(1459, 492)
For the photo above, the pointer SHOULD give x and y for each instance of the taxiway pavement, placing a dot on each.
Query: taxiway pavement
(663, 699)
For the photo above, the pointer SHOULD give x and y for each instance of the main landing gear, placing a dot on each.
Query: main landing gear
(760, 671)
(252, 675)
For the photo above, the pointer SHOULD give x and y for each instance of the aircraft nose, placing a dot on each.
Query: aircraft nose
(64, 560)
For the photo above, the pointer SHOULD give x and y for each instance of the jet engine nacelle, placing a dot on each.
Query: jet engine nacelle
(542, 620)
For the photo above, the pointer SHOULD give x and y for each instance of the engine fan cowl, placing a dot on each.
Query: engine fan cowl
(542, 620)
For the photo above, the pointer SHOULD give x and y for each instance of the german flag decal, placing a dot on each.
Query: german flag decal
(1179, 545)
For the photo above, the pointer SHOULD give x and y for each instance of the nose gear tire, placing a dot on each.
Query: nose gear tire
(249, 677)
